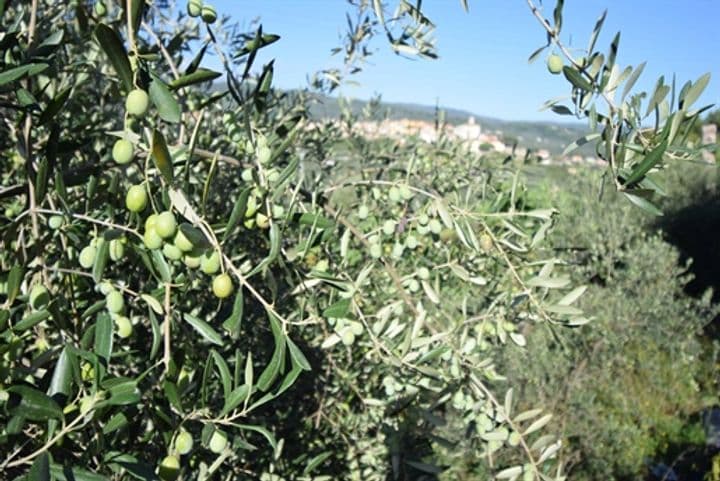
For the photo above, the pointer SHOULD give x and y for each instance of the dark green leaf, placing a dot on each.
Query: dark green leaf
(104, 337)
(35, 405)
(647, 163)
(67, 473)
(644, 204)
(165, 102)
(576, 78)
(31, 320)
(40, 469)
(15, 277)
(237, 213)
(204, 329)
(297, 357)
(161, 156)
(113, 47)
(54, 106)
(198, 76)
(232, 323)
(17, 73)
(61, 382)
(224, 370)
(101, 258)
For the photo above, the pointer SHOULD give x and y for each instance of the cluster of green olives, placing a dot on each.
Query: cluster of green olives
(136, 105)
(169, 468)
(162, 232)
(196, 8)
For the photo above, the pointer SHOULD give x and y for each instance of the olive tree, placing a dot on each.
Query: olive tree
(188, 290)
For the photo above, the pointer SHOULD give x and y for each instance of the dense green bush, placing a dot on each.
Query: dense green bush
(197, 281)
(627, 386)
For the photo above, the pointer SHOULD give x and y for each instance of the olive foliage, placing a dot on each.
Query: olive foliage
(188, 289)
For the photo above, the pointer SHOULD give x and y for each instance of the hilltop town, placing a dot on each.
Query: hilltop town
(469, 133)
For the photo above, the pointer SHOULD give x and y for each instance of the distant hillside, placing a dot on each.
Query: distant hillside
(553, 136)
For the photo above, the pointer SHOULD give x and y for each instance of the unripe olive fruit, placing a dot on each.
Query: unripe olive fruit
(124, 326)
(347, 337)
(555, 64)
(435, 226)
(263, 154)
(55, 222)
(39, 297)
(210, 262)
(208, 13)
(394, 194)
(388, 227)
(222, 286)
(136, 198)
(218, 441)
(169, 468)
(114, 302)
(116, 249)
(363, 212)
(376, 251)
(194, 7)
(262, 220)
(150, 221)
(192, 262)
(448, 235)
(87, 372)
(182, 242)
(87, 256)
(486, 242)
(151, 239)
(171, 251)
(86, 404)
(423, 273)
(122, 151)
(165, 225)
(100, 9)
(183, 442)
(137, 102)
(246, 175)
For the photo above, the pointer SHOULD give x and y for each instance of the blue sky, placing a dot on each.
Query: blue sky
(483, 54)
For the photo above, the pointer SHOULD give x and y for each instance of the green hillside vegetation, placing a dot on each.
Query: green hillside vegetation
(554, 136)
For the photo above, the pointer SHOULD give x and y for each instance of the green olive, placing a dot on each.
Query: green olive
(150, 221)
(55, 222)
(114, 302)
(208, 13)
(182, 242)
(151, 239)
(136, 198)
(193, 262)
(87, 256)
(555, 64)
(222, 286)
(210, 262)
(116, 249)
(124, 326)
(194, 8)
(183, 442)
(166, 225)
(218, 441)
(169, 468)
(100, 8)
(39, 297)
(137, 102)
(171, 252)
(122, 151)
(264, 154)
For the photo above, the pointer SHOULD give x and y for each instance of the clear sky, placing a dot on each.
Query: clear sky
(483, 54)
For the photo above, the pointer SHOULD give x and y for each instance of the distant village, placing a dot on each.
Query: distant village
(470, 133)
